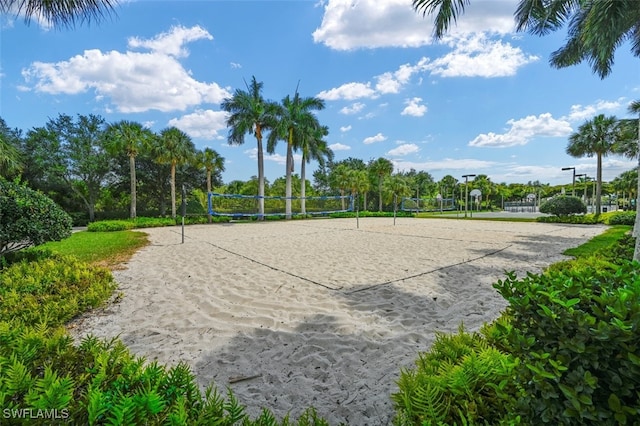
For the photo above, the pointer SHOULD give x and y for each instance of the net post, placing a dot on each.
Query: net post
(395, 207)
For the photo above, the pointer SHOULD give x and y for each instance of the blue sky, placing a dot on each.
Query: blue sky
(482, 101)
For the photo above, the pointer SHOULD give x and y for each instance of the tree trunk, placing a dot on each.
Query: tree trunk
(260, 175)
(173, 190)
(636, 226)
(303, 187)
(288, 176)
(379, 193)
(132, 172)
(599, 185)
(208, 197)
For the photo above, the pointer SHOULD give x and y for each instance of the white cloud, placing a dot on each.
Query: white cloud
(202, 123)
(349, 24)
(586, 112)
(414, 108)
(377, 138)
(387, 82)
(339, 147)
(171, 43)
(348, 91)
(276, 158)
(132, 81)
(523, 130)
(235, 65)
(344, 129)
(463, 164)
(353, 109)
(477, 56)
(404, 149)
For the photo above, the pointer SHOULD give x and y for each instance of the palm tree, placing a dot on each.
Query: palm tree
(174, 147)
(60, 13)
(250, 113)
(129, 137)
(358, 181)
(595, 137)
(339, 178)
(381, 168)
(295, 121)
(214, 164)
(396, 186)
(595, 28)
(9, 158)
(313, 147)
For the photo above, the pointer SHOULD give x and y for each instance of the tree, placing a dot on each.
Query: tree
(563, 205)
(313, 147)
(84, 162)
(213, 163)
(484, 184)
(381, 168)
(29, 218)
(295, 122)
(595, 28)
(396, 186)
(595, 137)
(132, 138)
(358, 181)
(60, 13)
(249, 112)
(10, 157)
(339, 178)
(174, 148)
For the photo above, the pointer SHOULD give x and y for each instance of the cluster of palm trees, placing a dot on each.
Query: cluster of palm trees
(291, 121)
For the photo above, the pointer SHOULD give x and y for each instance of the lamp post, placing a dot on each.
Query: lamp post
(466, 193)
(573, 190)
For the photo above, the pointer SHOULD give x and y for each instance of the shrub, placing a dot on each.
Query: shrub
(52, 290)
(110, 226)
(461, 380)
(29, 218)
(621, 218)
(575, 332)
(563, 205)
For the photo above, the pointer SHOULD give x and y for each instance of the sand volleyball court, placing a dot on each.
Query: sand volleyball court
(317, 312)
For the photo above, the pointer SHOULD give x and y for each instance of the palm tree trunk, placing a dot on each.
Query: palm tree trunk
(379, 193)
(636, 226)
(209, 192)
(303, 187)
(173, 190)
(132, 171)
(598, 184)
(260, 175)
(288, 176)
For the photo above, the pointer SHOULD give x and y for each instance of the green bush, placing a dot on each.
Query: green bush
(575, 332)
(110, 226)
(621, 218)
(461, 380)
(29, 218)
(563, 205)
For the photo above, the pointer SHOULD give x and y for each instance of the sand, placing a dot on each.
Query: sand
(317, 312)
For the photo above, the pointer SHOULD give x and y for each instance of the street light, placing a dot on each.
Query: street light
(466, 196)
(573, 190)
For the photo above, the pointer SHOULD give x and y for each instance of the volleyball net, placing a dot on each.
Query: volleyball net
(427, 204)
(238, 206)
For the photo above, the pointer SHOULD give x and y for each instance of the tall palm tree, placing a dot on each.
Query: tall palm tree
(339, 178)
(213, 163)
(595, 137)
(60, 13)
(295, 121)
(381, 168)
(313, 147)
(595, 28)
(175, 148)
(132, 138)
(396, 186)
(358, 182)
(249, 112)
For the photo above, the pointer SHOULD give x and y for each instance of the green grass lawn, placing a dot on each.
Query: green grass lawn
(103, 248)
(599, 242)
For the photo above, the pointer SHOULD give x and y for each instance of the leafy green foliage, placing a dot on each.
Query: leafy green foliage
(621, 218)
(29, 218)
(563, 205)
(575, 333)
(461, 380)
